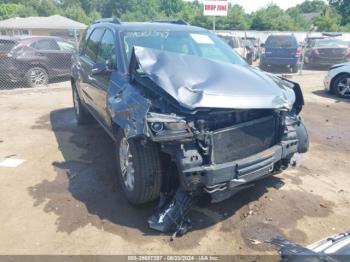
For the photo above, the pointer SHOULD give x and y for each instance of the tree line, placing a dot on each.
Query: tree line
(330, 16)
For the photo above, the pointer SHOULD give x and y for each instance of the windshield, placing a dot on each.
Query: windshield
(330, 43)
(281, 41)
(202, 44)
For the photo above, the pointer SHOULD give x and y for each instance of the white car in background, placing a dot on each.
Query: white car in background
(235, 42)
(337, 80)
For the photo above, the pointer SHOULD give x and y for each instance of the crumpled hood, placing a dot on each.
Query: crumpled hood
(196, 82)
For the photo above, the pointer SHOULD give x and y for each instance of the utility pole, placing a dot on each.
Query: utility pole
(214, 23)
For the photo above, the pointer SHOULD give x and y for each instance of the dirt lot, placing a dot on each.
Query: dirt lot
(65, 199)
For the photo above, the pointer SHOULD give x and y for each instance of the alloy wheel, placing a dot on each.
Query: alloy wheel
(37, 77)
(344, 87)
(126, 164)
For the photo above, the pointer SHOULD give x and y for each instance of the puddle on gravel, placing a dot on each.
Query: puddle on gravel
(85, 192)
(43, 123)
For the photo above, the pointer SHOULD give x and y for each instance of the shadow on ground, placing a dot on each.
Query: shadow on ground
(85, 192)
(325, 94)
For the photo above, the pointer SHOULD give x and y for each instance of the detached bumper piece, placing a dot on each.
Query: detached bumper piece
(292, 252)
(171, 214)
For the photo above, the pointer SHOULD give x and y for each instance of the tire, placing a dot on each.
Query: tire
(295, 68)
(341, 86)
(249, 59)
(263, 67)
(36, 77)
(82, 115)
(142, 160)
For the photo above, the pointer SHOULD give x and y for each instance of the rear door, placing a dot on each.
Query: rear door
(281, 46)
(48, 53)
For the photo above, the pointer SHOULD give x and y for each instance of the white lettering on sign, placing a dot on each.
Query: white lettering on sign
(215, 8)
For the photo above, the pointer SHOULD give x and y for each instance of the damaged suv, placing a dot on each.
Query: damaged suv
(188, 115)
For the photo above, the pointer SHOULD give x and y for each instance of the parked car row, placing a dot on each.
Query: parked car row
(247, 47)
(34, 60)
(284, 50)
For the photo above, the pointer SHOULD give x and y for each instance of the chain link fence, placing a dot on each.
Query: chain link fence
(34, 61)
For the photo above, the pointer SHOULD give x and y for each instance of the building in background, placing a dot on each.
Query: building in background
(54, 25)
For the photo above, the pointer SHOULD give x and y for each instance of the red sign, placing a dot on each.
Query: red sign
(215, 8)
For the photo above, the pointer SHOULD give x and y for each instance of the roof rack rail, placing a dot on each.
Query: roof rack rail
(332, 34)
(175, 21)
(112, 20)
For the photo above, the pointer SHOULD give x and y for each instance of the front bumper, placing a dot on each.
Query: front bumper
(327, 61)
(278, 61)
(223, 180)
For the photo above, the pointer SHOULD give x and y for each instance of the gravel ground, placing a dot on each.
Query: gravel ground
(65, 199)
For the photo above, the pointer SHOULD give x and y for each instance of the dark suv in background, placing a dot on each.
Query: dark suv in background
(188, 115)
(280, 50)
(34, 60)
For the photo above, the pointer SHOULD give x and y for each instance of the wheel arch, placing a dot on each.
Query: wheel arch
(335, 78)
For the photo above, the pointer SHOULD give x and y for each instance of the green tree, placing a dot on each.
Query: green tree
(343, 8)
(236, 19)
(272, 18)
(10, 10)
(312, 6)
(171, 8)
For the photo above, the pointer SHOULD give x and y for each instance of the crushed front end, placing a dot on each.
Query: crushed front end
(220, 152)
(221, 127)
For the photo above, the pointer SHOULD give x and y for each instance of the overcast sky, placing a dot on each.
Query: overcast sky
(252, 5)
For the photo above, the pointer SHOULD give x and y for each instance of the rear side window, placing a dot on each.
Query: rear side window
(281, 41)
(46, 44)
(330, 42)
(65, 46)
(6, 46)
(92, 44)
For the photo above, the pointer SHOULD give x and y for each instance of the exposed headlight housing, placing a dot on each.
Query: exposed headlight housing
(168, 127)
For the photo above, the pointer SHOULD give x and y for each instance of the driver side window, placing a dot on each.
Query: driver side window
(106, 51)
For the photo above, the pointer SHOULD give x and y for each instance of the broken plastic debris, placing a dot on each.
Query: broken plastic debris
(11, 162)
(171, 214)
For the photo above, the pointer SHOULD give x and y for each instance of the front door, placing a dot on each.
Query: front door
(106, 55)
(88, 59)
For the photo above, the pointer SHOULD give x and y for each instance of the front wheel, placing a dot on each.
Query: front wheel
(139, 169)
(37, 77)
(341, 86)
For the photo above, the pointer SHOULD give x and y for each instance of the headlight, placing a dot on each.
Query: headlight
(165, 127)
